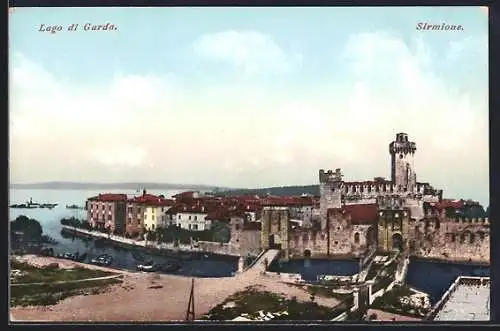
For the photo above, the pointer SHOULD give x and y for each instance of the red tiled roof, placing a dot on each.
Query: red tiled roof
(193, 209)
(187, 194)
(448, 203)
(153, 200)
(362, 213)
(109, 197)
(288, 201)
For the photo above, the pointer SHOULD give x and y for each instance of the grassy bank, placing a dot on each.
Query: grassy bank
(32, 274)
(251, 301)
(52, 292)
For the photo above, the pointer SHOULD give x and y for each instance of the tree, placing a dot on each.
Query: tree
(31, 228)
(220, 232)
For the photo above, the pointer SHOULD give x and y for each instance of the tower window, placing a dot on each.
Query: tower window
(400, 156)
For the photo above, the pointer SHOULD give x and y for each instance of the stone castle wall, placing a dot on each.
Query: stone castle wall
(459, 240)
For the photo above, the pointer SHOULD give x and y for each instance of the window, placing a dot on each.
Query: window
(189, 226)
(110, 217)
(356, 238)
(153, 226)
(189, 217)
(195, 217)
(195, 226)
(179, 217)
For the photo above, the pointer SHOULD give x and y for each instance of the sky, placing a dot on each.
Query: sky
(248, 97)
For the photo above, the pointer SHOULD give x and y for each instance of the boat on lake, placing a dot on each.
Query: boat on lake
(102, 260)
(31, 205)
(74, 207)
(149, 266)
(73, 256)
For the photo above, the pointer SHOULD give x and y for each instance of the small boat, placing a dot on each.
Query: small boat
(149, 266)
(73, 207)
(102, 260)
(81, 258)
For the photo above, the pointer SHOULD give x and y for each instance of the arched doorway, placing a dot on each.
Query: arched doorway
(307, 253)
(371, 238)
(274, 242)
(397, 241)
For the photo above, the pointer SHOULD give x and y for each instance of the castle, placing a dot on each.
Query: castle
(356, 218)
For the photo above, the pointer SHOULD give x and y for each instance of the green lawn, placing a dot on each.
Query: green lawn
(51, 292)
(252, 300)
(390, 302)
(33, 274)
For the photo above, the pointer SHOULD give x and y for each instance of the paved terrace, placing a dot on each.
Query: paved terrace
(468, 299)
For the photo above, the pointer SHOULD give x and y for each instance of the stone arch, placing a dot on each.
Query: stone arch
(465, 237)
(274, 241)
(481, 235)
(471, 238)
(453, 237)
(307, 253)
(397, 241)
(356, 238)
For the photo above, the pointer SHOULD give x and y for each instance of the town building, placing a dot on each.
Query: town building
(106, 212)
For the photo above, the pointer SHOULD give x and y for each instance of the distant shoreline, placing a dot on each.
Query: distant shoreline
(109, 186)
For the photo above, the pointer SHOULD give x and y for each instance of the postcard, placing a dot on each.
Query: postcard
(249, 164)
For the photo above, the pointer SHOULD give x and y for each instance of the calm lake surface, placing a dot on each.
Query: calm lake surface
(311, 269)
(200, 266)
(430, 277)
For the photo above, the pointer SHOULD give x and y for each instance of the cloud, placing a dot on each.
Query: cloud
(154, 127)
(253, 51)
(397, 89)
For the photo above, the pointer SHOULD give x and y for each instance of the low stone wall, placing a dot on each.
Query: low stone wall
(203, 246)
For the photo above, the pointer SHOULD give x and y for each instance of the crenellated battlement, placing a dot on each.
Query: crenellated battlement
(475, 220)
(330, 176)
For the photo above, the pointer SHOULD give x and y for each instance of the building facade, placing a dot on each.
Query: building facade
(106, 212)
(400, 213)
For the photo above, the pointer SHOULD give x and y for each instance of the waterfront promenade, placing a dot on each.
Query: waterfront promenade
(203, 246)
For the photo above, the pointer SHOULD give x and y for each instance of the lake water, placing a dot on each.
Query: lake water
(435, 278)
(200, 266)
(311, 269)
(430, 277)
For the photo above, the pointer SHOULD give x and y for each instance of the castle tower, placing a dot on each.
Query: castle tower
(330, 191)
(402, 167)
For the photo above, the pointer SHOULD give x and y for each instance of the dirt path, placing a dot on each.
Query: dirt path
(156, 297)
(69, 281)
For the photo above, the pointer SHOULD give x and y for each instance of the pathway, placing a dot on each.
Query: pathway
(68, 281)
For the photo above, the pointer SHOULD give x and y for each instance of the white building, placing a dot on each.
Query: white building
(191, 218)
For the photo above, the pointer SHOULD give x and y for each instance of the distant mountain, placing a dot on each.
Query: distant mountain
(116, 186)
(276, 191)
